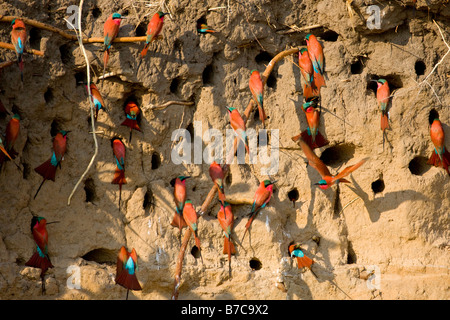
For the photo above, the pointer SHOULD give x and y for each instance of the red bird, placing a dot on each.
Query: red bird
(217, 176)
(110, 32)
(327, 178)
(126, 270)
(190, 216)
(315, 52)
(226, 220)
(260, 201)
(97, 99)
(295, 251)
(313, 80)
(179, 196)
(257, 88)
(48, 169)
(18, 39)
(119, 155)
(132, 111)
(383, 94)
(238, 125)
(40, 258)
(153, 30)
(440, 156)
(312, 136)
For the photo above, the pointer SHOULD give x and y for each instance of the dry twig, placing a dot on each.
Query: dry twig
(80, 42)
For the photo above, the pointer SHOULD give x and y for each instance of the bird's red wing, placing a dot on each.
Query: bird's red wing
(121, 259)
(313, 159)
(236, 120)
(133, 256)
(41, 239)
(155, 26)
(349, 169)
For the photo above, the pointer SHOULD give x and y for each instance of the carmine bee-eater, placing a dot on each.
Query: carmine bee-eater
(18, 39)
(383, 94)
(257, 89)
(153, 30)
(119, 156)
(126, 270)
(260, 201)
(440, 156)
(313, 80)
(327, 178)
(226, 220)
(203, 28)
(238, 125)
(132, 111)
(311, 135)
(179, 196)
(315, 52)
(296, 251)
(48, 169)
(190, 216)
(97, 99)
(217, 176)
(40, 258)
(110, 32)
(12, 132)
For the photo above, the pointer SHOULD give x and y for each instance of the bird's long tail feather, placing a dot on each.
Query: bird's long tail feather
(178, 221)
(128, 281)
(436, 160)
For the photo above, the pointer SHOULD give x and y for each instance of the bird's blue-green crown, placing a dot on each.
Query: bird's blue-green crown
(116, 16)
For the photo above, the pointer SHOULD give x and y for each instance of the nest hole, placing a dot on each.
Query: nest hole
(378, 186)
(149, 200)
(195, 251)
(96, 12)
(208, 74)
(35, 37)
(357, 67)
(420, 67)
(351, 255)
(432, 116)
(418, 165)
(263, 57)
(338, 155)
(272, 81)
(89, 189)
(329, 35)
(394, 81)
(66, 53)
(54, 128)
(156, 160)
(293, 195)
(255, 264)
(101, 256)
(141, 30)
(175, 85)
(48, 96)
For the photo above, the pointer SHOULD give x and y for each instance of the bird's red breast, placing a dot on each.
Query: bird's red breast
(437, 133)
(59, 145)
(383, 93)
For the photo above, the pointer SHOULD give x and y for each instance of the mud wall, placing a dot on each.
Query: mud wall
(393, 218)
